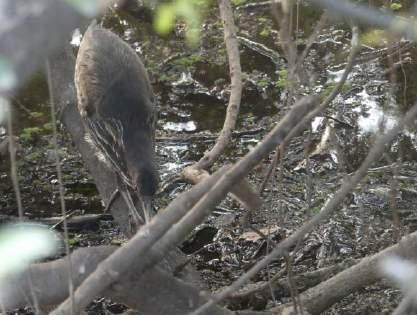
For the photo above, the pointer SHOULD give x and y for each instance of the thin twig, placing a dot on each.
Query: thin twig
(165, 226)
(368, 16)
(119, 262)
(60, 183)
(293, 286)
(353, 52)
(310, 40)
(232, 48)
(330, 206)
(61, 220)
(16, 187)
(12, 152)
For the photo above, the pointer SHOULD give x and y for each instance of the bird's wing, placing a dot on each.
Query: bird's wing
(107, 135)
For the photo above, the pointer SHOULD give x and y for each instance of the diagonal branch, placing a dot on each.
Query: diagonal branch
(319, 298)
(330, 206)
(118, 264)
(368, 16)
(210, 192)
(49, 282)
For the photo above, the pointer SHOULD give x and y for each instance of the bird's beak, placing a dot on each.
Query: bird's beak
(147, 208)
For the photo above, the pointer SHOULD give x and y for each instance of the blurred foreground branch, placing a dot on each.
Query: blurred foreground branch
(369, 16)
(49, 282)
(31, 31)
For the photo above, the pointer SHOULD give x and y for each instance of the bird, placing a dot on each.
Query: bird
(117, 106)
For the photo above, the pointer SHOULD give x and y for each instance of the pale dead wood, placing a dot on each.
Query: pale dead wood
(232, 48)
(76, 222)
(13, 162)
(242, 192)
(366, 272)
(280, 285)
(207, 137)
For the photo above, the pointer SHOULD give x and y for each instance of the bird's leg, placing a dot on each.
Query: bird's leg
(133, 213)
(146, 204)
(112, 198)
(134, 218)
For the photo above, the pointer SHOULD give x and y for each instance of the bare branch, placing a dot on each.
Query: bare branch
(353, 52)
(50, 284)
(119, 263)
(13, 165)
(232, 48)
(243, 191)
(368, 16)
(310, 40)
(330, 206)
(317, 299)
(281, 287)
(60, 177)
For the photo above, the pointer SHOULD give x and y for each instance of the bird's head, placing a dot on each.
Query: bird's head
(146, 180)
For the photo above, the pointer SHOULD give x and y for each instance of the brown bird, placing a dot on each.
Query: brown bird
(117, 106)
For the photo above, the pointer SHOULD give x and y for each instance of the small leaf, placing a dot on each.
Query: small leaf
(396, 6)
(165, 19)
(36, 115)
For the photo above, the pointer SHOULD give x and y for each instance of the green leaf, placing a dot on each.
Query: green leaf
(165, 19)
(238, 2)
(35, 115)
(396, 6)
(167, 13)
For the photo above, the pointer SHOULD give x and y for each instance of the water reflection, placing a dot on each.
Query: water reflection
(76, 38)
(180, 126)
(372, 115)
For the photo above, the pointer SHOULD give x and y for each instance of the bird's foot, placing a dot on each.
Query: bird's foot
(112, 198)
(135, 220)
